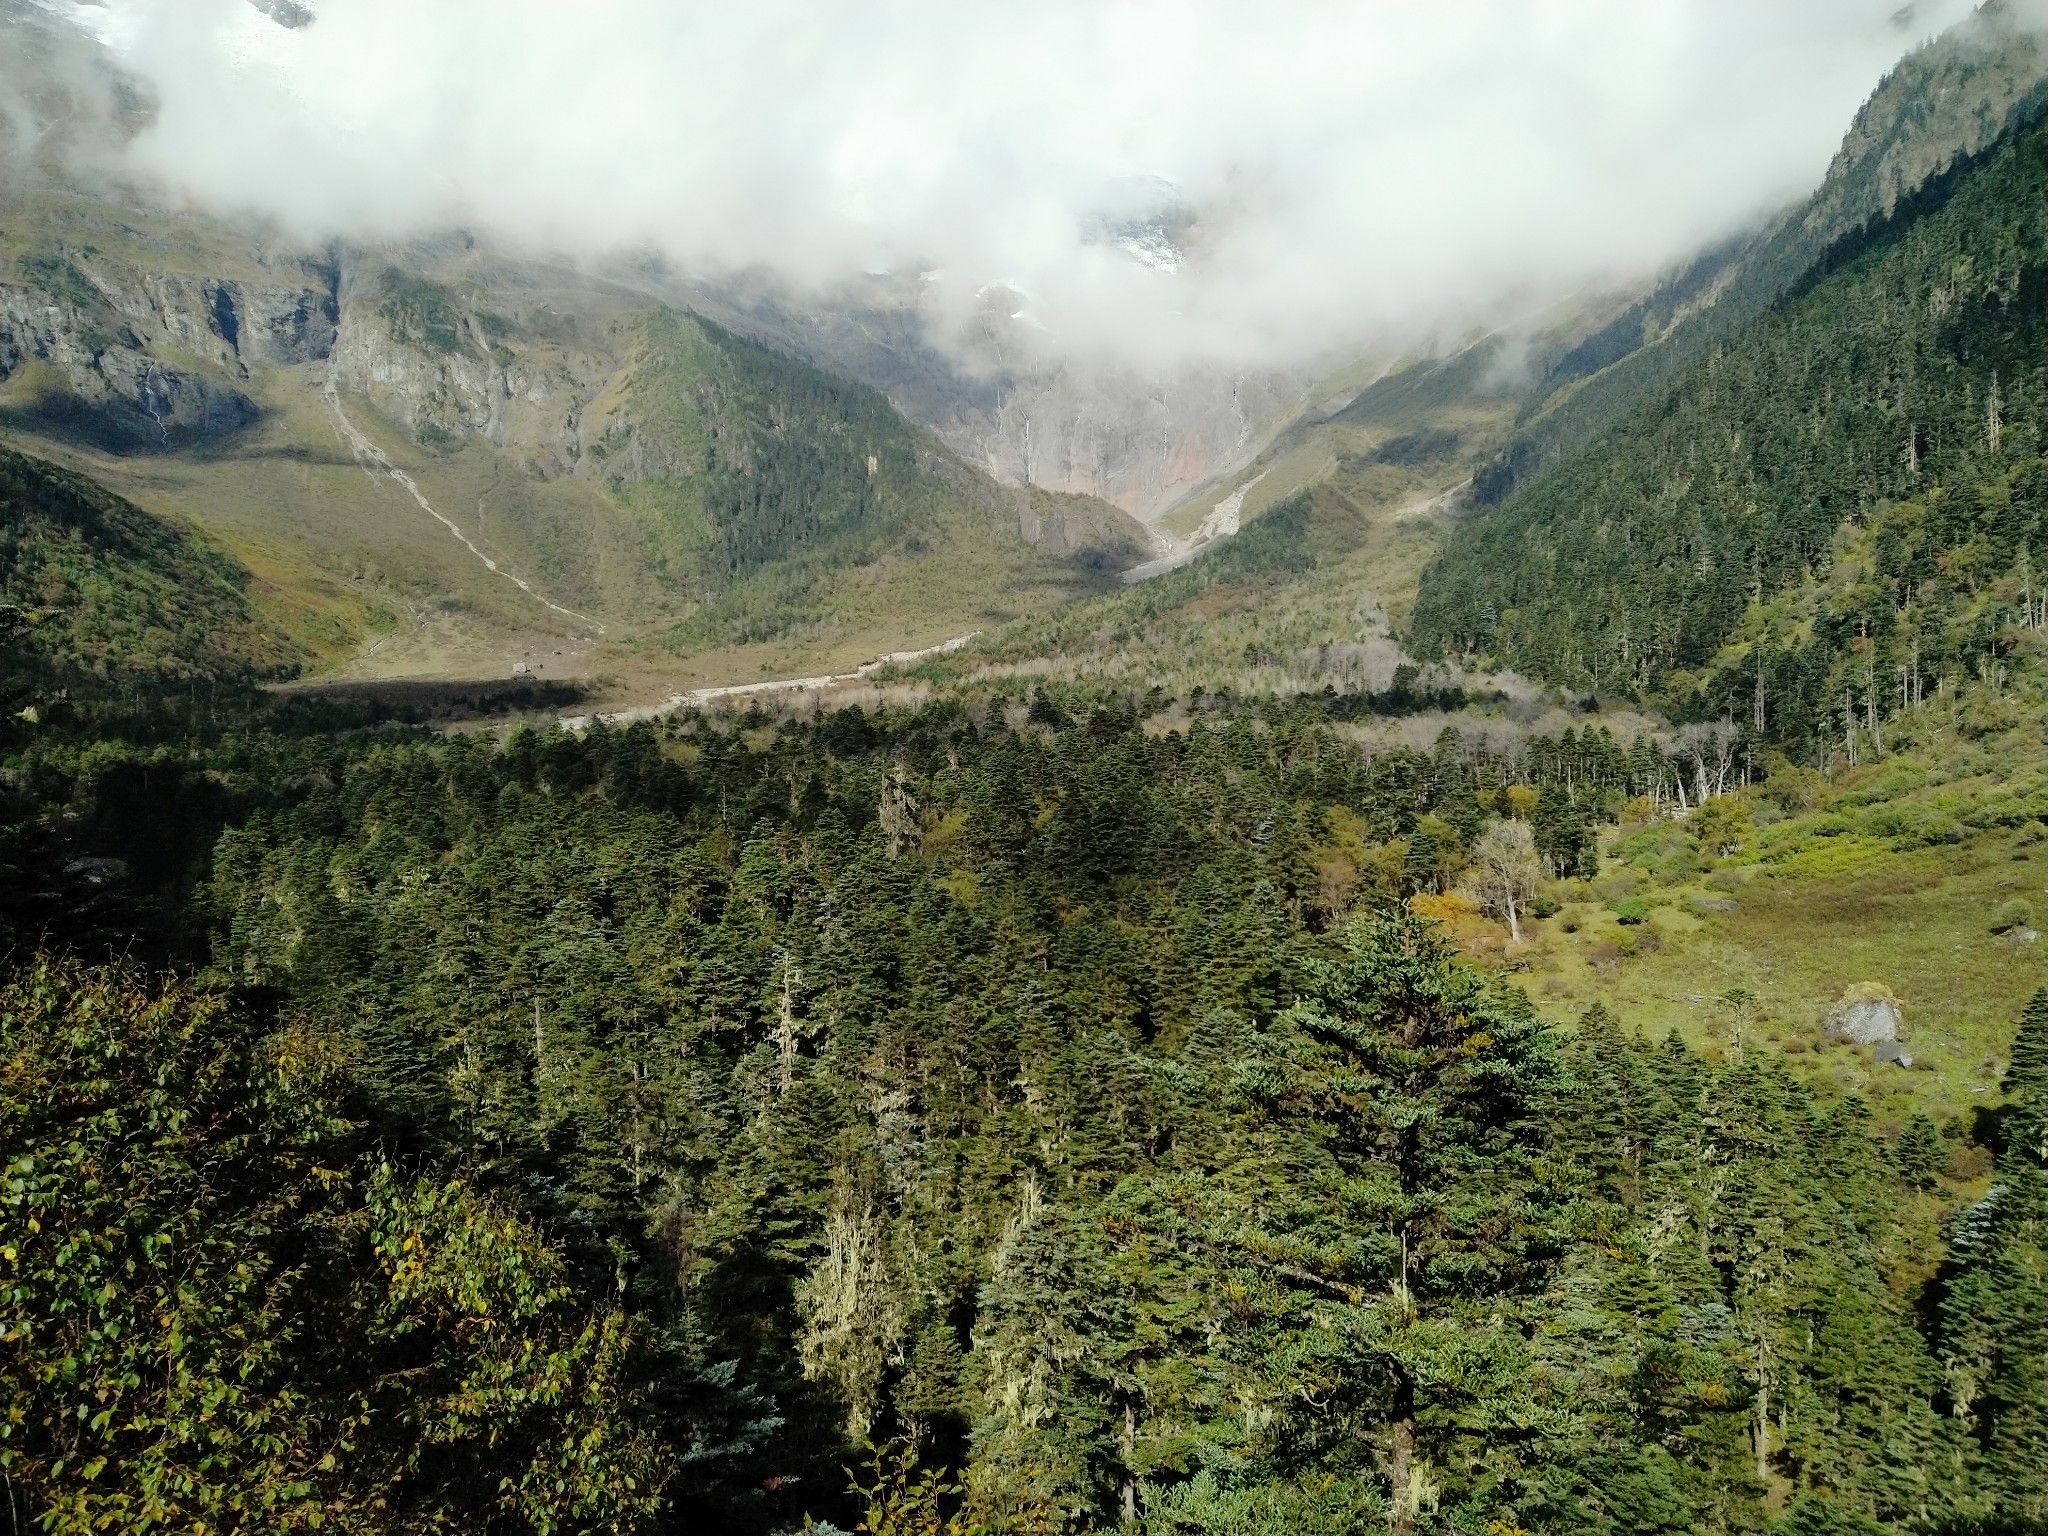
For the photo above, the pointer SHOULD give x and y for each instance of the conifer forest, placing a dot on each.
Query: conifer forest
(1585, 1076)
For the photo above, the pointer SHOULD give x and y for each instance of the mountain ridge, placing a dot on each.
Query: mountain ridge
(1943, 101)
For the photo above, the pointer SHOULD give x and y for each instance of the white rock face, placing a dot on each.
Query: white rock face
(140, 358)
(531, 403)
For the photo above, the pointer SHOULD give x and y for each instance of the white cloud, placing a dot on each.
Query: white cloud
(1358, 168)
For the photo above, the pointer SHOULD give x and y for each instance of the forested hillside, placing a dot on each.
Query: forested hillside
(1842, 509)
(1943, 103)
(618, 1132)
(98, 598)
(761, 479)
(751, 456)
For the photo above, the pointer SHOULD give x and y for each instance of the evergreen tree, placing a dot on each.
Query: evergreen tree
(1994, 1314)
(1422, 1087)
(1919, 1155)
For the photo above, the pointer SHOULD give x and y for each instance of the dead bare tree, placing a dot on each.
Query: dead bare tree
(1707, 748)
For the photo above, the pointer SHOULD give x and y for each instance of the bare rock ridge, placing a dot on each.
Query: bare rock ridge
(119, 353)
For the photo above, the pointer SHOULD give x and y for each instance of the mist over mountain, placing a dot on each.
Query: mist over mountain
(1138, 185)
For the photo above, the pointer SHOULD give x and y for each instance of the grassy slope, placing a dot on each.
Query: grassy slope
(370, 586)
(1891, 873)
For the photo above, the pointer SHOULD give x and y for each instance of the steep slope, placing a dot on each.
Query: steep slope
(1944, 101)
(1010, 404)
(98, 596)
(443, 461)
(1843, 505)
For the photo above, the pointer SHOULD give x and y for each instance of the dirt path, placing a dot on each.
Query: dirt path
(697, 698)
(374, 462)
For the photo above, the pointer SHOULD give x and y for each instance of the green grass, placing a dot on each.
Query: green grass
(1896, 875)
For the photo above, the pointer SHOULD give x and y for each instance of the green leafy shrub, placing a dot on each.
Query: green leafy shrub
(2012, 914)
(1723, 826)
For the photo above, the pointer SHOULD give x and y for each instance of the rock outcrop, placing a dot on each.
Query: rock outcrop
(138, 358)
(1866, 1014)
(77, 368)
(449, 359)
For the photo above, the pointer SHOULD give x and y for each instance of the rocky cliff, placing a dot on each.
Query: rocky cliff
(135, 356)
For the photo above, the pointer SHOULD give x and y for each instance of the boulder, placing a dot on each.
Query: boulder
(1866, 1014)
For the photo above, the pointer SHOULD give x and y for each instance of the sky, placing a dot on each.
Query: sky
(1358, 170)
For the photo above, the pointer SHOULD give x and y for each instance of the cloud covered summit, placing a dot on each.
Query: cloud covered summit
(1354, 172)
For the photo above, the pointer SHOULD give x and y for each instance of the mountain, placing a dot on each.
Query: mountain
(1297, 572)
(1009, 403)
(996, 394)
(1943, 101)
(480, 458)
(1169, 1065)
(97, 597)
(1841, 508)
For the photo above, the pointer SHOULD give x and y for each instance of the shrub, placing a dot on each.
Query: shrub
(1446, 908)
(1630, 910)
(2012, 914)
(1794, 790)
(1722, 826)
(1543, 906)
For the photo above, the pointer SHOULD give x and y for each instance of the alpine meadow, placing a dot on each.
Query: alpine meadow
(852, 823)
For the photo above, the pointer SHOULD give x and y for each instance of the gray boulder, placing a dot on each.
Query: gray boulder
(1866, 1014)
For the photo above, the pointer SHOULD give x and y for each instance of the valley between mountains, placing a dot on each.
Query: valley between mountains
(645, 901)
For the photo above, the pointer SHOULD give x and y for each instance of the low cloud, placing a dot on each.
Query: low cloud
(1334, 174)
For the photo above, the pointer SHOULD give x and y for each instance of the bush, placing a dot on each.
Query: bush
(1630, 911)
(1543, 906)
(1722, 826)
(2013, 914)
(1795, 789)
